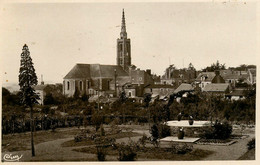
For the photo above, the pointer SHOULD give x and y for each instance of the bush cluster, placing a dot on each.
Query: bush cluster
(251, 144)
(83, 134)
(126, 152)
(181, 148)
(217, 131)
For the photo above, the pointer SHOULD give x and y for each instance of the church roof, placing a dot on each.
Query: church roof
(159, 86)
(95, 70)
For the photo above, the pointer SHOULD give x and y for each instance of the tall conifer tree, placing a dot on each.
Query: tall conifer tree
(28, 79)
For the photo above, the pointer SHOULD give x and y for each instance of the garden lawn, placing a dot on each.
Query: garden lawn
(153, 153)
(22, 141)
(72, 143)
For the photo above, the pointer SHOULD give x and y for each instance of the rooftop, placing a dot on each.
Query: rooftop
(222, 87)
(95, 70)
(184, 87)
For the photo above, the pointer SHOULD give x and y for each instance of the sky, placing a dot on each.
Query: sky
(61, 35)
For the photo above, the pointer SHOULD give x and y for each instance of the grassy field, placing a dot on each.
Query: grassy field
(22, 141)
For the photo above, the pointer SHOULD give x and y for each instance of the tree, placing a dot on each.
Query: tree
(155, 133)
(214, 67)
(28, 79)
(76, 94)
(147, 99)
(123, 99)
(49, 100)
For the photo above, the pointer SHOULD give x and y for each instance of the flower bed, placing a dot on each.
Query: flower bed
(220, 142)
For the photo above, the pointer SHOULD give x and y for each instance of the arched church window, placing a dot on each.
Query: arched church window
(68, 85)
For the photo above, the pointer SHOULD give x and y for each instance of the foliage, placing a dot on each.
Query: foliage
(251, 144)
(102, 130)
(82, 135)
(203, 107)
(76, 94)
(84, 97)
(49, 99)
(143, 140)
(101, 154)
(164, 130)
(181, 148)
(154, 132)
(147, 99)
(27, 79)
(214, 66)
(217, 131)
(243, 67)
(126, 152)
(96, 120)
(122, 97)
(10, 99)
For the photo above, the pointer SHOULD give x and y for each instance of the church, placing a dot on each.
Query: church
(109, 80)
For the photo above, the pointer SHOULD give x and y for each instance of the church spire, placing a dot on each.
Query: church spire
(123, 33)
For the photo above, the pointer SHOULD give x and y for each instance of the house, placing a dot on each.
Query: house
(39, 89)
(217, 89)
(204, 78)
(252, 76)
(177, 76)
(236, 94)
(134, 90)
(184, 89)
(159, 91)
(234, 76)
(44, 89)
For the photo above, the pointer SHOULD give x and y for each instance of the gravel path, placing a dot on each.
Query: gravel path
(231, 152)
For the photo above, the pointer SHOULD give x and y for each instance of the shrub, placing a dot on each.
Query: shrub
(217, 131)
(165, 130)
(102, 130)
(251, 144)
(181, 148)
(101, 154)
(154, 132)
(142, 140)
(126, 152)
(222, 131)
(83, 134)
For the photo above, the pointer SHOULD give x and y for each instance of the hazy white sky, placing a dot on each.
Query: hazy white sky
(61, 35)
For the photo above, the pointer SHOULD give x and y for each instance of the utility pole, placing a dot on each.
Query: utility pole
(115, 83)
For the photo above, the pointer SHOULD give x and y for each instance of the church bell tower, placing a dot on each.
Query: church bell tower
(123, 47)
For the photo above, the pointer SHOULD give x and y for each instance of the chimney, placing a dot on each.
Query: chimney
(148, 71)
(217, 72)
